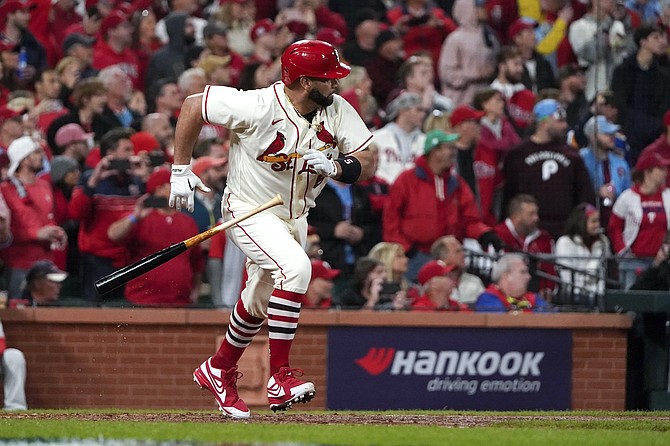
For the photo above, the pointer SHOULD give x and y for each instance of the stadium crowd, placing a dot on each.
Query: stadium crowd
(501, 126)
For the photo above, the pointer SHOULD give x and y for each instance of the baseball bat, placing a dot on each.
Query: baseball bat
(118, 278)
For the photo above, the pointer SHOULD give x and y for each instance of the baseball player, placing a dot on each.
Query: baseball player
(288, 138)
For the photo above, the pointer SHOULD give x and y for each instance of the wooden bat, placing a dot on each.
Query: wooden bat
(118, 278)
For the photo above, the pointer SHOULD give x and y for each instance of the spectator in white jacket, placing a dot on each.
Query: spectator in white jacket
(13, 370)
(581, 248)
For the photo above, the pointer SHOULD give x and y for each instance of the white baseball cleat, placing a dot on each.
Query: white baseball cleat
(223, 385)
(284, 389)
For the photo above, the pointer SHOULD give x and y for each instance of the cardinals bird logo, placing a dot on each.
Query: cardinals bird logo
(325, 136)
(273, 149)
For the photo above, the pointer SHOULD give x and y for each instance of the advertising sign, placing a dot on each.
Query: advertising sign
(377, 368)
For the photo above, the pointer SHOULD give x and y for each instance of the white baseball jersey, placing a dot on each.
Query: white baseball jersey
(396, 150)
(269, 138)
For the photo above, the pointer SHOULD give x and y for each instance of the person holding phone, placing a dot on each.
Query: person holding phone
(150, 227)
(105, 194)
(370, 289)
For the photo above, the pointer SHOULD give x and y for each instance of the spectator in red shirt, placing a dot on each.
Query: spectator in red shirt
(152, 226)
(429, 201)
(438, 283)
(48, 105)
(103, 196)
(319, 293)
(114, 47)
(30, 201)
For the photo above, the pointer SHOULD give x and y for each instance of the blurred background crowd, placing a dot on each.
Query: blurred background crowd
(522, 149)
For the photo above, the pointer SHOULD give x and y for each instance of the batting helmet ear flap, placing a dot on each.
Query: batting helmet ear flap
(311, 58)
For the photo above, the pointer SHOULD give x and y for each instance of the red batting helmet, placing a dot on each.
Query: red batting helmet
(311, 58)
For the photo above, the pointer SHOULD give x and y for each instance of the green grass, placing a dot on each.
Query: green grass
(618, 429)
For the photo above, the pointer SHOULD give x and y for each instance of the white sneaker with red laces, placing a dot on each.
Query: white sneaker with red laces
(284, 389)
(223, 384)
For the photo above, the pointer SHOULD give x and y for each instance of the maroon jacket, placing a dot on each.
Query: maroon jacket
(662, 147)
(423, 207)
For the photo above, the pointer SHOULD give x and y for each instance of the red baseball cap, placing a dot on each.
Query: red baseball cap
(519, 25)
(322, 270)
(434, 268)
(157, 179)
(649, 159)
(113, 19)
(8, 46)
(205, 162)
(261, 27)
(520, 107)
(144, 142)
(11, 6)
(464, 113)
(330, 35)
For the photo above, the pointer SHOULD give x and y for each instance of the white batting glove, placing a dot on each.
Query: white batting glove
(318, 161)
(182, 187)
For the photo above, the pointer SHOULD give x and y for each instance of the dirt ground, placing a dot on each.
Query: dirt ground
(457, 421)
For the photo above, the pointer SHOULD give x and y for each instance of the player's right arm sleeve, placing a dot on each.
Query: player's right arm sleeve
(229, 107)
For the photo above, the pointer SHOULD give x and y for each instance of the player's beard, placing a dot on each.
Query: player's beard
(318, 98)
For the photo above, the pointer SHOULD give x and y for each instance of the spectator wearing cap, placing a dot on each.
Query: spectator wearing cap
(609, 171)
(388, 58)
(344, 224)
(501, 15)
(43, 285)
(571, 85)
(150, 227)
(89, 97)
(104, 195)
(73, 142)
(168, 62)
(429, 201)
(438, 282)
(417, 75)
(319, 293)
(359, 50)
(464, 121)
(553, 18)
(509, 290)
(80, 47)
(496, 137)
(263, 36)
(641, 76)
(31, 203)
(114, 47)
(332, 36)
(641, 216)
(662, 143)
(449, 251)
(600, 43)
(212, 172)
(11, 126)
(216, 42)
(16, 14)
(538, 74)
(545, 167)
(467, 60)
(423, 25)
(400, 141)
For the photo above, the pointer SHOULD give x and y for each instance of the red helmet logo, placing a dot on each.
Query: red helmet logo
(311, 58)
